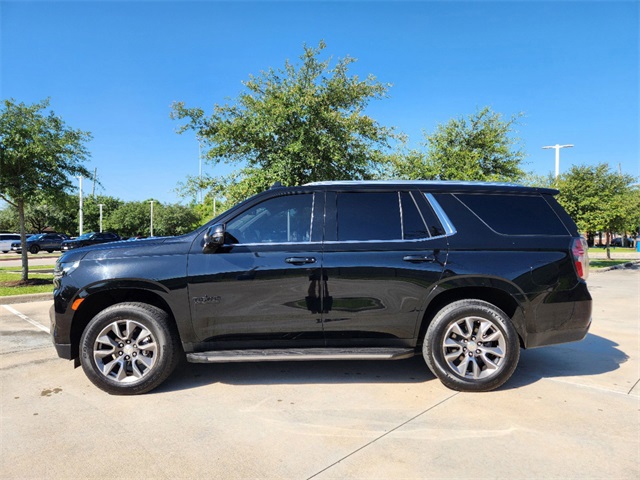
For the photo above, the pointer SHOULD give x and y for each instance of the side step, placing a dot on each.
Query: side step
(299, 354)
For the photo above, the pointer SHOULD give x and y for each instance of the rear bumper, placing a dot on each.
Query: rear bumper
(560, 321)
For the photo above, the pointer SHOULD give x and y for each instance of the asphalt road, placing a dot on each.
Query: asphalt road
(12, 259)
(570, 411)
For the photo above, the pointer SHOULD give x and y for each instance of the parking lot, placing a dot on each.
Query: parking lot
(570, 411)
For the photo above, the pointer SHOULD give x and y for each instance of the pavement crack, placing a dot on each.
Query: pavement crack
(383, 435)
(634, 386)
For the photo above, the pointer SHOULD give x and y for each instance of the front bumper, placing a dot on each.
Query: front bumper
(63, 349)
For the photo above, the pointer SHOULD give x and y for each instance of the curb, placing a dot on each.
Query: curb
(34, 297)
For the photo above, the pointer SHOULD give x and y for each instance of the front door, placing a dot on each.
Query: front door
(260, 288)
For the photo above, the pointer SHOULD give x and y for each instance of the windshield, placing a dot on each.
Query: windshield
(85, 236)
(36, 237)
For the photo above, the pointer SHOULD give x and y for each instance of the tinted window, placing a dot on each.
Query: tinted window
(369, 216)
(515, 214)
(277, 220)
(412, 223)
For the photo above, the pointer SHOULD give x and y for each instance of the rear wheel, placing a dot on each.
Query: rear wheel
(471, 346)
(129, 348)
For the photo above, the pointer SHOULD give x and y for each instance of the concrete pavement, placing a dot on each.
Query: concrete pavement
(570, 411)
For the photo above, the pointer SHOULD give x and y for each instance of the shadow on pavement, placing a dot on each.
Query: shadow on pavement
(592, 356)
(187, 375)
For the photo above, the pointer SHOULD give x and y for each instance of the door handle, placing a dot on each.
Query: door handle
(419, 258)
(300, 260)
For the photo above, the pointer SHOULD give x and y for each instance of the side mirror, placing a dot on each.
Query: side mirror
(214, 238)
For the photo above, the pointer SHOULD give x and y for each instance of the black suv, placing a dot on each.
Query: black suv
(91, 238)
(463, 273)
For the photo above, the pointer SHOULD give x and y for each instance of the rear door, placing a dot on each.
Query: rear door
(383, 252)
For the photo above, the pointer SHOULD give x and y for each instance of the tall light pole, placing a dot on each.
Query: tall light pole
(557, 148)
(151, 202)
(80, 211)
(200, 170)
(101, 205)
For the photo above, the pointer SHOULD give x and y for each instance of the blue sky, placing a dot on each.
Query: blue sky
(114, 68)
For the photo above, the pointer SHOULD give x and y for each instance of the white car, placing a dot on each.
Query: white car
(6, 239)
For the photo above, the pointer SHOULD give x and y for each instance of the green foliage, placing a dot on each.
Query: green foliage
(9, 221)
(599, 199)
(91, 211)
(298, 124)
(481, 148)
(175, 219)
(38, 154)
(130, 219)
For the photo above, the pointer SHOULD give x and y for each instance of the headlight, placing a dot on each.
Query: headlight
(64, 268)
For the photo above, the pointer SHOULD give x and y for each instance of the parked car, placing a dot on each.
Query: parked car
(91, 238)
(6, 239)
(464, 274)
(41, 241)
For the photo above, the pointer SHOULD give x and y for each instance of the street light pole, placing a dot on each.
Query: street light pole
(80, 211)
(151, 229)
(200, 170)
(557, 148)
(101, 205)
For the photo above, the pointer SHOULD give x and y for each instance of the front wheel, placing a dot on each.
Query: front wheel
(34, 249)
(129, 348)
(471, 346)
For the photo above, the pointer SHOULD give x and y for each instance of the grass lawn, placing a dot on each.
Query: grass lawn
(10, 283)
(613, 249)
(597, 264)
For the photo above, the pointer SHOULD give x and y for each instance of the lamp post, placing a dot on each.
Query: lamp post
(200, 170)
(557, 148)
(151, 229)
(80, 210)
(101, 205)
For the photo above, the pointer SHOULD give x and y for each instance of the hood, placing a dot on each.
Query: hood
(131, 248)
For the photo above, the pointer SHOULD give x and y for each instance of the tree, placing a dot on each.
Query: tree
(298, 124)
(38, 154)
(131, 219)
(600, 200)
(176, 219)
(9, 221)
(481, 147)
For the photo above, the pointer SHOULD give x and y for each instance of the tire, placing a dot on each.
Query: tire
(129, 348)
(5, 251)
(34, 249)
(50, 251)
(463, 361)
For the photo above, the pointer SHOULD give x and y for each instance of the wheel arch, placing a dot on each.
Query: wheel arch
(499, 297)
(98, 301)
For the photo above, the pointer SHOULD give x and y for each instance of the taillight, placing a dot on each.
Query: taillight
(580, 249)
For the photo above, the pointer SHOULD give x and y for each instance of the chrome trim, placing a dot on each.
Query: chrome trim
(269, 244)
(442, 216)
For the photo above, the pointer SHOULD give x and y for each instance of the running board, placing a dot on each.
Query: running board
(299, 354)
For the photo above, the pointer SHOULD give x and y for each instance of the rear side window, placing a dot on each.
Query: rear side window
(515, 214)
(379, 216)
(368, 216)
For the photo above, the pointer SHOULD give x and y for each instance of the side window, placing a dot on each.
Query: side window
(284, 219)
(368, 216)
(515, 214)
(413, 226)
